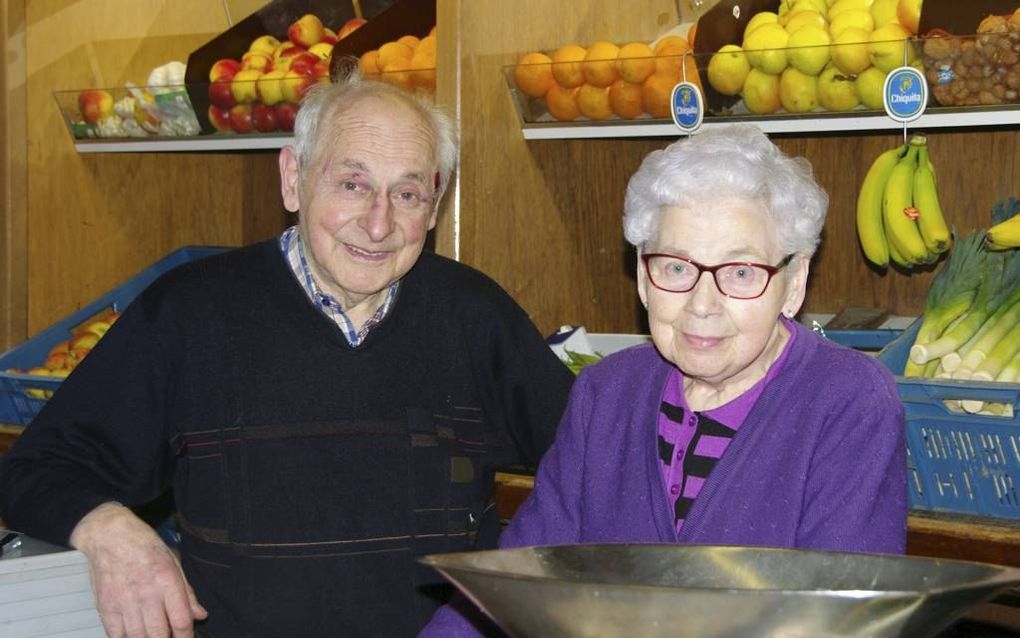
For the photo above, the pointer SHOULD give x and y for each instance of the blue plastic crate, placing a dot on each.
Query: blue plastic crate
(16, 406)
(958, 462)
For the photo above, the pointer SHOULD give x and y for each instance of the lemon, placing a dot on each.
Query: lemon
(758, 19)
(821, 6)
(841, 6)
(766, 48)
(802, 18)
(856, 18)
(884, 11)
(850, 51)
(809, 49)
(728, 69)
(836, 91)
(888, 44)
(869, 85)
(761, 92)
(798, 92)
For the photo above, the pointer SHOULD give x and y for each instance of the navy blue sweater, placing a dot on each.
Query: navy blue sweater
(308, 475)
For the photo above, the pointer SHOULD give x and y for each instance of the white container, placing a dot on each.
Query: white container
(45, 591)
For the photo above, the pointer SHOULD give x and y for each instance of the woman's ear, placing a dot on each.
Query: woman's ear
(642, 281)
(796, 285)
(288, 161)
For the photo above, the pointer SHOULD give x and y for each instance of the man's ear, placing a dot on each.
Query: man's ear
(289, 179)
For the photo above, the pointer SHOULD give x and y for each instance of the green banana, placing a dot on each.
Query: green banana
(898, 203)
(930, 221)
(870, 229)
(1004, 234)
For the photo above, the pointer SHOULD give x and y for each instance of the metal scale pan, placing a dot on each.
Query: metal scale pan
(645, 591)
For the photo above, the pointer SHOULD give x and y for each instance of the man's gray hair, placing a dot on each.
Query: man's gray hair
(729, 161)
(332, 100)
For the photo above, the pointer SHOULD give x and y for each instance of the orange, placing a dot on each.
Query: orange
(399, 72)
(693, 31)
(562, 103)
(593, 102)
(410, 40)
(600, 64)
(392, 51)
(625, 99)
(368, 63)
(432, 31)
(635, 62)
(672, 41)
(533, 74)
(656, 93)
(567, 65)
(423, 64)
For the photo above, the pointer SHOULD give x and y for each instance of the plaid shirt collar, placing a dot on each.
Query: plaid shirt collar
(294, 252)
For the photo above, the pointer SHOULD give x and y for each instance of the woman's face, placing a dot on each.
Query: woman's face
(711, 338)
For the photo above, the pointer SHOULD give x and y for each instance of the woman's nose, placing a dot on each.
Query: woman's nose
(705, 297)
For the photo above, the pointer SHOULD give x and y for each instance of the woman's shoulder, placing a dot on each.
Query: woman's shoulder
(823, 360)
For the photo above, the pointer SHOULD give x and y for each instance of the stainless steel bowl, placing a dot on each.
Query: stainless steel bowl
(701, 591)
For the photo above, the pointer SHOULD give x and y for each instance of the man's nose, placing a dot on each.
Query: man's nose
(378, 219)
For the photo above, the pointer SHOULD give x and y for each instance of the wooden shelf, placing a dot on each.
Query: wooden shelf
(184, 144)
(862, 121)
(773, 124)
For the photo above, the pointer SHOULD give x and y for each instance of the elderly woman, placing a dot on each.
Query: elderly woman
(738, 426)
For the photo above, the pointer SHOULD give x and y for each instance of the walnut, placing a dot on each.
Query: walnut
(940, 48)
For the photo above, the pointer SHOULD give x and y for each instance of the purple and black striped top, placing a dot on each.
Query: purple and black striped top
(690, 443)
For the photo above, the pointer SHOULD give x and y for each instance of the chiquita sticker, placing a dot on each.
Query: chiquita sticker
(905, 94)
(687, 107)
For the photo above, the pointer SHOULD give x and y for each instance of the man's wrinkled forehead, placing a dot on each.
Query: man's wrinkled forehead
(372, 120)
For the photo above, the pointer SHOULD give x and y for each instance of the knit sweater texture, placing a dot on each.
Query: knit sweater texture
(308, 475)
(820, 463)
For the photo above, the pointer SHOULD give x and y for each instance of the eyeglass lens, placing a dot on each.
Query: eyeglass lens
(680, 275)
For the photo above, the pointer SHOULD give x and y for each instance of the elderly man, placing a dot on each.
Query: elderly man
(328, 405)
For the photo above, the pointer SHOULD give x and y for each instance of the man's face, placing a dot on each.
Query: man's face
(366, 202)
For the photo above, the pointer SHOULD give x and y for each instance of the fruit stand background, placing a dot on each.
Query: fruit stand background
(542, 217)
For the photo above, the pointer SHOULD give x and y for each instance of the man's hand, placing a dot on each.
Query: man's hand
(139, 585)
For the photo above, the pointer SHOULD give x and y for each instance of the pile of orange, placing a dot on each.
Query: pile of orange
(607, 80)
(408, 62)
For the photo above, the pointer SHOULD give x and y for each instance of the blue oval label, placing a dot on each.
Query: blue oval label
(687, 106)
(905, 94)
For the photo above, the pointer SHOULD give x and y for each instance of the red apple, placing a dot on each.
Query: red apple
(303, 63)
(295, 85)
(95, 104)
(263, 117)
(286, 49)
(285, 114)
(221, 94)
(322, 50)
(349, 27)
(269, 88)
(223, 69)
(240, 118)
(264, 44)
(306, 30)
(243, 85)
(321, 71)
(256, 60)
(220, 118)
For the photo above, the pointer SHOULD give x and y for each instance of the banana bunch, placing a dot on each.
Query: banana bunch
(1005, 234)
(899, 217)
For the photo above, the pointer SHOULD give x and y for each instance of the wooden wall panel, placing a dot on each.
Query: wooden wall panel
(13, 185)
(543, 217)
(95, 219)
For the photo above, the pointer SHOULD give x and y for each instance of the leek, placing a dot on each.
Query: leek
(1002, 323)
(951, 294)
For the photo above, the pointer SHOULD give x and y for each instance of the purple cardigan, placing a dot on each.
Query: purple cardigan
(820, 463)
